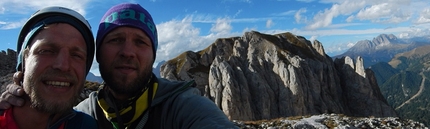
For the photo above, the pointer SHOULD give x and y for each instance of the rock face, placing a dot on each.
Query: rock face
(7, 62)
(259, 76)
(7, 67)
(332, 121)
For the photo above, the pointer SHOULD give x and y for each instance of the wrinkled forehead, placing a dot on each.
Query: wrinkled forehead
(59, 33)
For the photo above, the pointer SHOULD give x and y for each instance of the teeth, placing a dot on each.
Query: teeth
(58, 84)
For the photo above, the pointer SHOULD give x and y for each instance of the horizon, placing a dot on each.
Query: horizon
(194, 25)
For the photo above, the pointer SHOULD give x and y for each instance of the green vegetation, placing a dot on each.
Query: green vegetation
(383, 71)
(179, 61)
(399, 84)
(401, 87)
(418, 109)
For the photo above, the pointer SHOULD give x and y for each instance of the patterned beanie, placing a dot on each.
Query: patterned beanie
(127, 14)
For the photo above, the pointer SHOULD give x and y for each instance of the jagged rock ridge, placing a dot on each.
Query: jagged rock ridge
(7, 67)
(8, 62)
(259, 76)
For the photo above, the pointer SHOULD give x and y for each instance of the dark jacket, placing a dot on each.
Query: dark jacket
(73, 120)
(176, 105)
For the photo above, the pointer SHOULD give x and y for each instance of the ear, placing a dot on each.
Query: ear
(25, 55)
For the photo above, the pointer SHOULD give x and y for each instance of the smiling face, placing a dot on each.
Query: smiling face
(54, 68)
(125, 59)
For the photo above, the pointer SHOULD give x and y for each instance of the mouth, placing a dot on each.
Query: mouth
(58, 83)
(125, 66)
(125, 69)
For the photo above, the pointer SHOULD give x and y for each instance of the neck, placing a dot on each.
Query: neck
(30, 118)
(121, 97)
(118, 96)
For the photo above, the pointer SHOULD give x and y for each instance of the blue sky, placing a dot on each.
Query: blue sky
(195, 24)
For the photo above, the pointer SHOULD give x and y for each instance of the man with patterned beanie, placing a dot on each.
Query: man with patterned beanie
(132, 96)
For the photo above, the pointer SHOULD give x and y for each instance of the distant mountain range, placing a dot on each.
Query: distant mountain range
(383, 48)
(93, 78)
(402, 71)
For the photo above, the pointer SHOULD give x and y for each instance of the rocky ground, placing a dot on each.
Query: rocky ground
(332, 121)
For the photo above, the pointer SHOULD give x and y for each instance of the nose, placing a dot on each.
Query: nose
(127, 49)
(62, 62)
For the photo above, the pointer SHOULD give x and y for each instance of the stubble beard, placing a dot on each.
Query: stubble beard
(119, 85)
(38, 102)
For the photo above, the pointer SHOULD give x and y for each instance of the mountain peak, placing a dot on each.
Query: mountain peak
(381, 48)
(384, 39)
(261, 76)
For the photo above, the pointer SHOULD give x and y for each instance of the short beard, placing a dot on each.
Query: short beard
(44, 105)
(118, 85)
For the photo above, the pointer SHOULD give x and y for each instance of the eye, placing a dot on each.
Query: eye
(142, 42)
(46, 51)
(115, 40)
(79, 56)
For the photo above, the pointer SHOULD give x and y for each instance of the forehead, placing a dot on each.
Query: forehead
(128, 30)
(59, 33)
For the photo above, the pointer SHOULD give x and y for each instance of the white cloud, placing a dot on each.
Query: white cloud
(237, 13)
(174, 38)
(287, 13)
(25, 8)
(306, 1)
(269, 23)
(313, 38)
(95, 68)
(11, 25)
(222, 25)
(298, 16)
(178, 36)
(335, 32)
(325, 18)
(205, 18)
(343, 25)
(30, 6)
(424, 16)
(337, 49)
(350, 19)
(415, 32)
(349, 45)
(380, 11)
(2, 10)
(201, 18)
(385, 13)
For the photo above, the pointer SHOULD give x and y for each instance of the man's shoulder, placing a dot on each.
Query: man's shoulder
(81, 121)
(87, 105)
(189, 105)
(171, 88)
